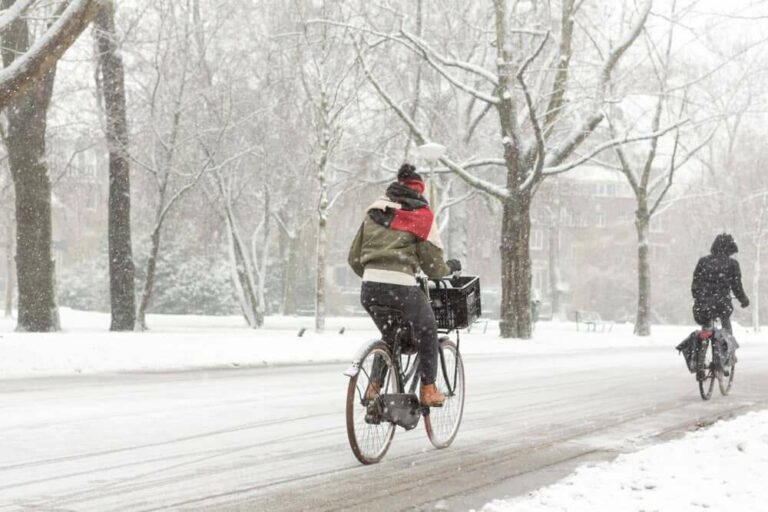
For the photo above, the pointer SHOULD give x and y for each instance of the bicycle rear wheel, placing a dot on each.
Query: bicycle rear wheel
(706, 373)
(442, 423)
(369, 436)
(724, 382)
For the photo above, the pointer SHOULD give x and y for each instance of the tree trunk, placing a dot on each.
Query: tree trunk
(261, 261)
(241, 276)
(149, 281)
(10, 271)
(27, 120)
(322, 249)
(121, 266)
(756, 287)
(643, 320)
(291, 259)
(516, 269)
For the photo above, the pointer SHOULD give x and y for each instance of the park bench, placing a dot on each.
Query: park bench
(592, 321)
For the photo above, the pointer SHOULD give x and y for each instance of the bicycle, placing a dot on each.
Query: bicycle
(710, 364)
(390, 363)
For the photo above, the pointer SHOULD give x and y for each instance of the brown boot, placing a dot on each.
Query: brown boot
(430, 396)
(372, 391)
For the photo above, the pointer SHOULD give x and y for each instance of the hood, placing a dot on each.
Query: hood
(724, 244)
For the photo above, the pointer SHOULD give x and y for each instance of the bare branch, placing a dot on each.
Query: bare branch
(450, 62)
(421, 138)
(25, 71)
(559, 169)
(688, 156)
(540, 151)
(13, 13)
(488, 98)
(591, 122)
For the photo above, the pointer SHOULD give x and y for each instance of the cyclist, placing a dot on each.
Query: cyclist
(397, 238)
(716, 275)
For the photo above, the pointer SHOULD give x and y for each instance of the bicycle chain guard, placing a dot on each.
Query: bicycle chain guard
(402, 409)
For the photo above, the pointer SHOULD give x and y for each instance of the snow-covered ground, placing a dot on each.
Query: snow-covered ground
(187, 342)
(274, 438)
(719, 468)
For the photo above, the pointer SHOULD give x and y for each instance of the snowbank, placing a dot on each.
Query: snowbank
(187, 342)
(720, 468)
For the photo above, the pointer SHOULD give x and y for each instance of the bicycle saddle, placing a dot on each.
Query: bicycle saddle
(390, 321)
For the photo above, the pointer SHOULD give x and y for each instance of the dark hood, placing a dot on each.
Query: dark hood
(724, 244)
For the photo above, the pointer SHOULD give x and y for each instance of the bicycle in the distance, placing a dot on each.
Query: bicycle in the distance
(713, 361)
(383, 378)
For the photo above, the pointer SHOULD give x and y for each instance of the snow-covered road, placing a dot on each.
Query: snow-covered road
(274, 439)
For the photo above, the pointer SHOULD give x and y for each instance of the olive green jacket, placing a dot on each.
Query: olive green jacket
(378, 248)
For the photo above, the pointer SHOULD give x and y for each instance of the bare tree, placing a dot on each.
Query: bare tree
(651, 174)
(330, 85)
(171, 102)
(248, 253)
(111, 82)
(25, 140)
(536, 143)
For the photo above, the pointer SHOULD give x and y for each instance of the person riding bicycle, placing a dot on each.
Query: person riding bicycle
(398, 237)
(716, 275)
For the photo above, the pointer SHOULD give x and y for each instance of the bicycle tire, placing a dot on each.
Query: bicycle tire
(725, 387)
(442, 423)
(369, 442)
(707, 381)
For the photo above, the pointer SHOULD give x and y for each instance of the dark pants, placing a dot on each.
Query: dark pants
(417, 315)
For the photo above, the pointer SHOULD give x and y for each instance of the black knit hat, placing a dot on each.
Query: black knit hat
(407, 172)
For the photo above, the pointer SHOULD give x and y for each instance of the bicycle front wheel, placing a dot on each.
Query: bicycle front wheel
(369, 436)
(442, 423)
(706, 373)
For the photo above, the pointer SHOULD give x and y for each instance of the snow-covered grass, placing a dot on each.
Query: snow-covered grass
(720, 468)
(178, 342)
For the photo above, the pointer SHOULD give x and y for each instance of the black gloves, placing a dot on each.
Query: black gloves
(454, 265)
(745, 302)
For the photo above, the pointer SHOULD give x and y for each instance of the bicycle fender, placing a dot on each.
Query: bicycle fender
(359, 355)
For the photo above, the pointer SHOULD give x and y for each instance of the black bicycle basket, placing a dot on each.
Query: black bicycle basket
(456, 302)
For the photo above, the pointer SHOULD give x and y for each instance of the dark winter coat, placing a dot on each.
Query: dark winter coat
(716, 275)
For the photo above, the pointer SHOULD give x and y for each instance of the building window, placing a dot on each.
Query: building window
(600, 219)
(539, 281)
(537, 239)
(605, 189)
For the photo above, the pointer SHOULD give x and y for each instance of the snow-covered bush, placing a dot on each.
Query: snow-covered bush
(193, 285)
(84, 285)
